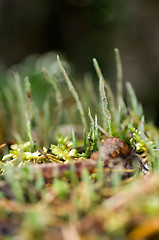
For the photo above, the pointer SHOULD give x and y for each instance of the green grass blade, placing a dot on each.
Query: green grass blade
(100, 173)
(20, 103)
(103, 97)
(119, 83)
(111, 100)
(74, 139)
(74, 93)
(28, 111)
(96, 129)
(73, 175)
(134, 105)
(93, 130)
(109, 93)
(53, 81)
(119, 73)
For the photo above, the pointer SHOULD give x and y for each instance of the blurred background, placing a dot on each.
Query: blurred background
(84, 29)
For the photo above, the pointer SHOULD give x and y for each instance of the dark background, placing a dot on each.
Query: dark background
(84, 29)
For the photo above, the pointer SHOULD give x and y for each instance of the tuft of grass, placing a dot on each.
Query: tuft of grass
(102, 199)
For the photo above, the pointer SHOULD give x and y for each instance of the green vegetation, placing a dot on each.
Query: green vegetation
(47, 133)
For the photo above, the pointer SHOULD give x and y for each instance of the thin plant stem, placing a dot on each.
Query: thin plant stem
(74, 93)
(104, 101)
(28, 111)
(107, 88)
(119, 74)
(53, 81)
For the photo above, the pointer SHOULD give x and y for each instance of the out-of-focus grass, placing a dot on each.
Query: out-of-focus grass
(41, 105)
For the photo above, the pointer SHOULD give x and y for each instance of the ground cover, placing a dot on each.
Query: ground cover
(78, 160)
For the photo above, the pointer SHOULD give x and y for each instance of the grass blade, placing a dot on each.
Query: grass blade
(93, 130)
(134, 105)
(53, 81)
(28, 111)
(105, 110)
(119, 76)
(74, 93)
(107, 88)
